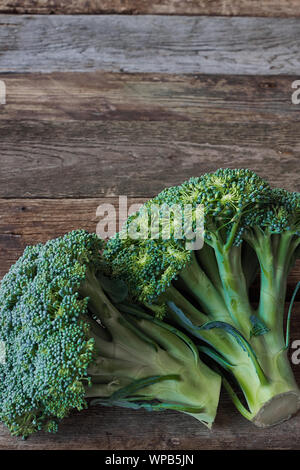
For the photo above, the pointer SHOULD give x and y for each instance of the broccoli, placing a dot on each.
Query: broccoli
(66, 340)
(248, 228)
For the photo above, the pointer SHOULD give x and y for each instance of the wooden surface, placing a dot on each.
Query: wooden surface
(170, 44)
(95, 135)
(78, 131)
(100, 96)
(274, 8)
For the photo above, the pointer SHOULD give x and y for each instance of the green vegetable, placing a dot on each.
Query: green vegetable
(249, 227)
(66, 340)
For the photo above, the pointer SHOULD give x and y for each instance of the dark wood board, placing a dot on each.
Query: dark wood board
(134, 43)
(137, 158)
(274, 8)
(139, 130)
(96, 134)
(100, 96)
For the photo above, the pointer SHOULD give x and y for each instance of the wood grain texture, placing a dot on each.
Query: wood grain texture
(118, 429)
(274, 8)
(136, 158)
(29, 221)
(98, 96)
(170, 44)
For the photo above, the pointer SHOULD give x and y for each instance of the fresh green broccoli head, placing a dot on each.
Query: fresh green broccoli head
(69, 335)
(43, 326)
(248, 228)
(226, 194)
(231, 200)
(289, 209)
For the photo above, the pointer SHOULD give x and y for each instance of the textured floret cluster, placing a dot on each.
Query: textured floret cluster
(43, 327)
(234, 201)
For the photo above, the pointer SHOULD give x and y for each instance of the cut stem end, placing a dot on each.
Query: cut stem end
(278, 409)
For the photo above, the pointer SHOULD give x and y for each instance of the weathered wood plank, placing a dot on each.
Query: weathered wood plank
(274, 8)
(150, 44)
(136, 158)
(27, 222)
(97, 96)
(118, 429)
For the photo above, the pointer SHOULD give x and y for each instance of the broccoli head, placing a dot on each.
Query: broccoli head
(70, 333)
(248, 227)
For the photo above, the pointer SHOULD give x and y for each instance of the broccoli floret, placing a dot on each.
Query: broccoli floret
(248, 228)
(69, 334)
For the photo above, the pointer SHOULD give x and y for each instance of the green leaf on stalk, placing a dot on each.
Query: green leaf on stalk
(124, 397)
(139, 313)
(218, 358)
(240, 339)
(142, 383)
(287, 340)
(259, 328)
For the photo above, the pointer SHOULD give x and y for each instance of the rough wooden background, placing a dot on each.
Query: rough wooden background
(77, 131)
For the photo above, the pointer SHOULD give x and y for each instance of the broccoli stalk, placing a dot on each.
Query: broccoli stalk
(70, 334)
(259, 363)
(144, 352)
(248, 227)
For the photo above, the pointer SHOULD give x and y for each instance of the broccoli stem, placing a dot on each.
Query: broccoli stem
(277, 377)
(207, 260)
(275, 401)
(236, 401)
(235, 287)
(262, 382)
(132, 347)
(194, 280)
(274, 254)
